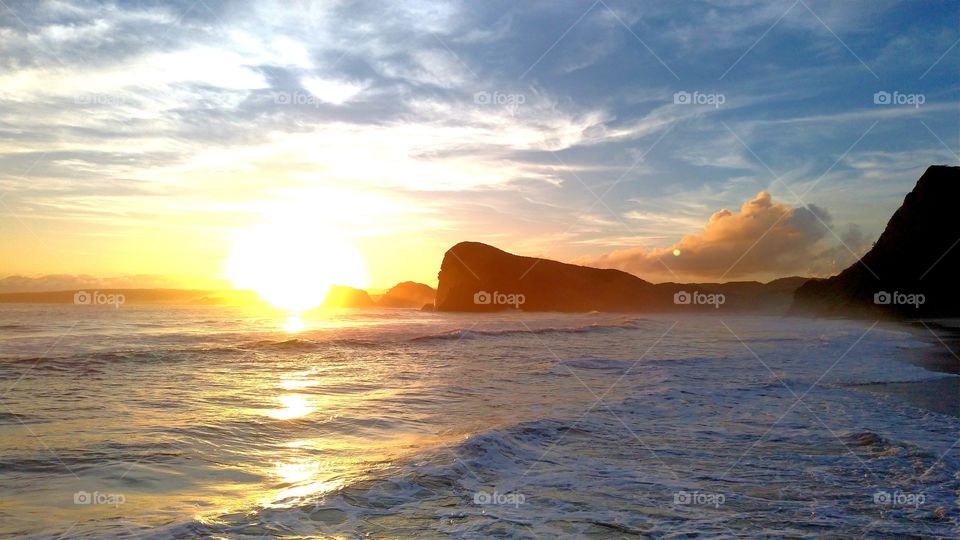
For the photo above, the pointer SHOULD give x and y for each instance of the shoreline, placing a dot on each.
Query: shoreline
(937, 395)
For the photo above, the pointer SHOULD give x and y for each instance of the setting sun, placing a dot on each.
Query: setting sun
(288, 264)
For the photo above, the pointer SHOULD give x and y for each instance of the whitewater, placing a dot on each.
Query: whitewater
(174, 422)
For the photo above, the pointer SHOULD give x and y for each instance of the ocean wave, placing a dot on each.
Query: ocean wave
(475, 334)
(178, 354)
(308, 345)
(915, 376)
(603, 364)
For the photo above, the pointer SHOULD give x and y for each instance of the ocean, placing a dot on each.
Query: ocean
(219, 422)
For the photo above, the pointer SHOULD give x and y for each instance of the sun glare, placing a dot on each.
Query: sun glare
(293, 324)
(291, 263)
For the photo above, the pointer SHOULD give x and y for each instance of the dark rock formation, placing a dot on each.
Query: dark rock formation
(478, 277)
(408, 294)
(912, 269)
(347, 297)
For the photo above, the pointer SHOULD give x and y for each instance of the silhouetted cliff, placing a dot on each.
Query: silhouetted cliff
(478, 277)
(913, 268)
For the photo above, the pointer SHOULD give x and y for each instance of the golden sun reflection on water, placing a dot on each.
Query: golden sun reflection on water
(305, 469)
(294, 384)
(303, 475)
(293, 406)
(293, 324)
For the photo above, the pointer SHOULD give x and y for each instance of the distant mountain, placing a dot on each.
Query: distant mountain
(77, 282)
(478, 277)
(407, 294)
(133, 296)
(912, 270)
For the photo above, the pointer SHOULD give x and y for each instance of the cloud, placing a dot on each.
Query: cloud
(123, 118)
(763, 239)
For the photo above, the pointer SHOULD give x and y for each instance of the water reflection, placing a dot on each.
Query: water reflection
(293, 406)
(293, 323)
(304, 477)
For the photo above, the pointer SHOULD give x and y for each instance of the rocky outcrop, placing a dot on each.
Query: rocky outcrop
(347, 297)
(408, 294)
(479, 277)
(912, 269)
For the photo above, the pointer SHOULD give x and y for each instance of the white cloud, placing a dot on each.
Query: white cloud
(336, 92)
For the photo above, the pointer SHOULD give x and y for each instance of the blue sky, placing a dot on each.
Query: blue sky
(138, 136)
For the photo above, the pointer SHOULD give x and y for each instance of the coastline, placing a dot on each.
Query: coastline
(938, 395)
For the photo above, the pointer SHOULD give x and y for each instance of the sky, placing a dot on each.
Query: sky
(679, 141)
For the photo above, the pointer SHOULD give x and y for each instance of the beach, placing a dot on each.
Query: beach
(938, 395)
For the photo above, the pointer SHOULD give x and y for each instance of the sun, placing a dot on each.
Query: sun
(292, 262)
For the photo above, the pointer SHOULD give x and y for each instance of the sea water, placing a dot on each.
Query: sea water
(173, 422)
